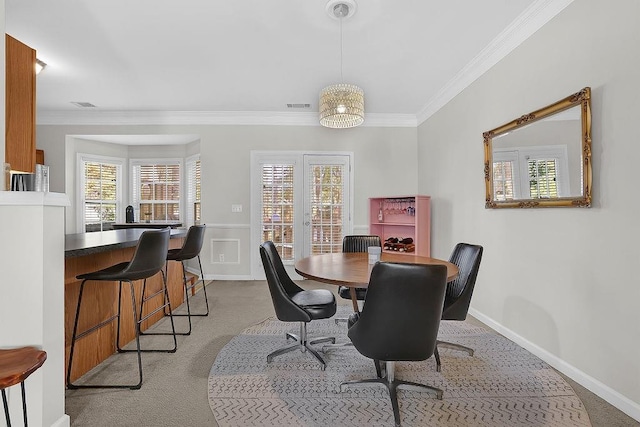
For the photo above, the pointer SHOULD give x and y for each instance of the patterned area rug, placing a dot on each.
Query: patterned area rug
(501, 385)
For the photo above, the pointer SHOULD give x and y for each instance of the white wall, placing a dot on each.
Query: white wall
(559, 280)
(384, 161)
(33, 291)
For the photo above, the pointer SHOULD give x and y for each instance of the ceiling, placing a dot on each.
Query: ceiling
(244, 61)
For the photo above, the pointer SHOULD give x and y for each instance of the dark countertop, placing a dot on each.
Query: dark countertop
(119, 226)
(102, 241)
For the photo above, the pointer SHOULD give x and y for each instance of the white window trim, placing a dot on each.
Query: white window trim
(157, 161)
(81, 158)
(510, 156)
(191, 160)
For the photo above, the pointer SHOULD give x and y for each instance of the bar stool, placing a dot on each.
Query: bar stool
(148, 259)
(16, 365)
(190, 249)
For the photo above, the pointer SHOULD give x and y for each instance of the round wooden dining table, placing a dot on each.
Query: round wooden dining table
(353, 269)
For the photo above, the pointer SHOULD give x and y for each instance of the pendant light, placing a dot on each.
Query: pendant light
(341, 105)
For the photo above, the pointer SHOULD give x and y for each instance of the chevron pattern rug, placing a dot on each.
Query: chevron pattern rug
(501, 385)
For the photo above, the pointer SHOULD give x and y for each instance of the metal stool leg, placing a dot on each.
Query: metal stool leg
(140, 318)
(118, 348)
(204, 287)
(24, 404)
(137, 326)
(6, 408)
(73, 336)
(186, 298)
(173, 327)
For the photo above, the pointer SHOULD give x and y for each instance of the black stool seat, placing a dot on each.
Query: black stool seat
(148, 260)
(116, 272)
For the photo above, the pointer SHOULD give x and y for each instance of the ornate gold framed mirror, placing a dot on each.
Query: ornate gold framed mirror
(541, 159)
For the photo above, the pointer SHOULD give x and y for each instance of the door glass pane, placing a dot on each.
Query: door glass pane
(326, 198)
(503, 180)
(542, 179)
(100, 195)
(278, 208)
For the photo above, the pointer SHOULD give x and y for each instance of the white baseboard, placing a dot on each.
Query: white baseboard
(63, 421)
(616, 399)
(229, 277)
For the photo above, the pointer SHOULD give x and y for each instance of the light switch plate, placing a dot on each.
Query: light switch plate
(236, 208)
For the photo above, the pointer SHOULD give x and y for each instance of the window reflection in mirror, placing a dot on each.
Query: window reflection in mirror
(542, 158)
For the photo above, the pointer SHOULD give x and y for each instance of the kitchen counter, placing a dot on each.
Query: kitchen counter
(86, 252)
(161, 224)
(103, 241)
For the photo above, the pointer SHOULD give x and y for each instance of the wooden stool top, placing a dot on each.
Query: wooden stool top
(17, 364)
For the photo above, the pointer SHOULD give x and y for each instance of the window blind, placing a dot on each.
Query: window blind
(543, 178)
(193, 191)
(100, 195)
(156, 191)
(278, 208)
(326, 201)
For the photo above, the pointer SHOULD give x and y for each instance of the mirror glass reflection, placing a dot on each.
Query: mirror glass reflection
(540, 158)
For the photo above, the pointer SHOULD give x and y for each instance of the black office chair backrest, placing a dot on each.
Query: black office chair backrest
(467, 258)
(192, 243)
(286, 309)
(272, 252)
(149, 256)
(359, 243)
(401, 316)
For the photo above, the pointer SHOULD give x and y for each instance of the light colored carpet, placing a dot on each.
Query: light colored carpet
(174, 392)
(502, 385)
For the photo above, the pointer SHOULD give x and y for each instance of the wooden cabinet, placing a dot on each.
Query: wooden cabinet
(402, 217)
(20, 96)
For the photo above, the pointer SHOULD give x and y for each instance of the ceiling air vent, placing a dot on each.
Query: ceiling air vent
(83, 104)
(298, 105)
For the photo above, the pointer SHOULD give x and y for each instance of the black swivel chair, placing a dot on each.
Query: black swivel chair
(467, 258)
(148, 260)
(190, 249)
(399, 322)
(294, 304)
(357, 243)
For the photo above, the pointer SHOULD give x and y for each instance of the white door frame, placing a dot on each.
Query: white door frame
(297, 159)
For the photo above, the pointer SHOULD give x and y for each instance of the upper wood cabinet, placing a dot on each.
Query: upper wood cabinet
(20, 95)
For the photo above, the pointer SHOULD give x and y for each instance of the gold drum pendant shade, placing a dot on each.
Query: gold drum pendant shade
(341, 106)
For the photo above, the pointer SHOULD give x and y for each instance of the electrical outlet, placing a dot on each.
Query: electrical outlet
(221, 257)
(236, 208)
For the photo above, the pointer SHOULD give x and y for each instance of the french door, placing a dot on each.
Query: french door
(301, 202)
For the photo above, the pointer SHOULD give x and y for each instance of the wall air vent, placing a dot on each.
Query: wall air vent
(83, 104)
(298, 105)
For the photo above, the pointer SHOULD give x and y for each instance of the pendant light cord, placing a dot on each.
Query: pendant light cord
(341, 78)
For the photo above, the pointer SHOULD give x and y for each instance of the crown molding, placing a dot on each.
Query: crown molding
(243, 118)
(528, 22)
